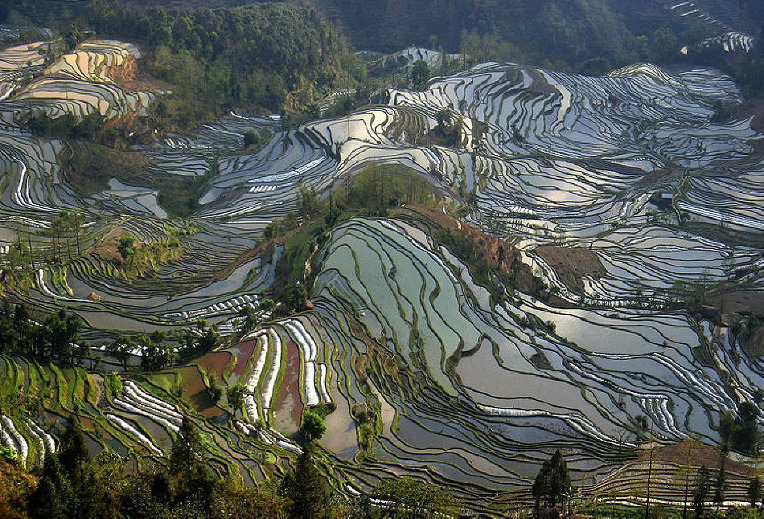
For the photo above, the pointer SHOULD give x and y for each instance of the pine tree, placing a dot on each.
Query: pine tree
(754, 491)
(306, 490)
(540, 484)
(53, 494)
(559, 483)
(63, 490)
(74, 453)
(552, 484)
(186, 456)
(194, 484)
(701, 492)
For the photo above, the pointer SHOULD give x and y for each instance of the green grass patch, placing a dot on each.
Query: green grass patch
(291, 267)
(113, 385)
(231, 365)
(88, 167)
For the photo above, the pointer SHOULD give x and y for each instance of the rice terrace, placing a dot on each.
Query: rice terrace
(395, 258)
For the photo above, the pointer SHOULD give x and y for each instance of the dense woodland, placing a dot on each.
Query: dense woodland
(570, 34)
(258, 57)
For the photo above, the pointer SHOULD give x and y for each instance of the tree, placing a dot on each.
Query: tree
(63, 225)
(216, 392)
(8, 454)
(418, 499)
(159, 111)
(641, 427)
(64, 487)
(126, 247)
(7, 333)
(720, 484)
(72, 36)
(235, 395)
(187, 454)
(250, 138)
(21, 325)
(193, 483)
(313, 426)
(754, 491)
(61, 331)
(688, 446)
(444, 118)
(250, 319)
(121, 348)
(663, 46)
(53, 492)
(552, 484)
(18, 265)
(272, 230)
(233, 499)
(73, 452)
(156, 354)
(306, 489)
(701, 492)
(209, 340)
(726, 427)
(420, 73)
(312, 110)
(298, 297)
(309, 204)
(745, 432)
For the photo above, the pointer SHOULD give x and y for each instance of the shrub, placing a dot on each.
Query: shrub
(313, 426)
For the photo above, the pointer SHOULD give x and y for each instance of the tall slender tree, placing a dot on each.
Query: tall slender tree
(187, 454)
(720, 485)
(701, 492)
(754, 491)
(306, 489)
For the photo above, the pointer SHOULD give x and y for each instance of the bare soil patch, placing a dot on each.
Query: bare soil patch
(572, 264)
(701, 455)
(740, 301)
(108, 249)
(490, 246)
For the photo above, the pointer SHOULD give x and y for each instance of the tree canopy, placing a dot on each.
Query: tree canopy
(552, 485)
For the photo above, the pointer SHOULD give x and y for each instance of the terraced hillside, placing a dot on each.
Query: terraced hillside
(428, 371)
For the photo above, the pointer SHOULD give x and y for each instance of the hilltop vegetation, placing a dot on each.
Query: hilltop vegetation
(254, 57)
(251, 56)
(572, 34)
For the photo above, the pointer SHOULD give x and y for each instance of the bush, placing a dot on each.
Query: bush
(8, 454)
(313, 426)
(126, 247)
